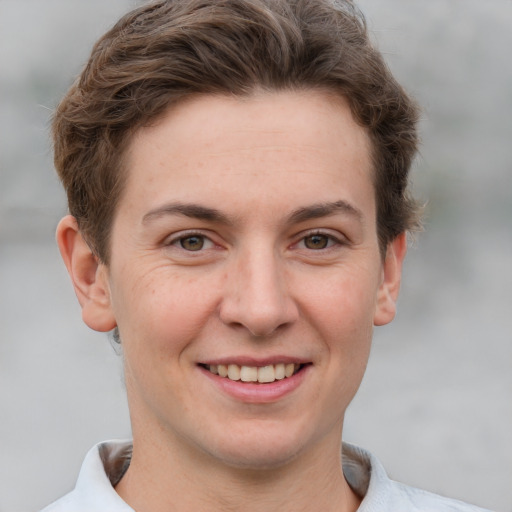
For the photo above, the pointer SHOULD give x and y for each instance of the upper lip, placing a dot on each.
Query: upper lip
(255, 361)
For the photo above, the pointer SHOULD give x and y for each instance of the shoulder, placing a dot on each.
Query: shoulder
(66, 503)
(94, 489)
(413, 499)
(368, 478)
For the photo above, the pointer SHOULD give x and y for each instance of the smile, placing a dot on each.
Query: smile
(261, 374)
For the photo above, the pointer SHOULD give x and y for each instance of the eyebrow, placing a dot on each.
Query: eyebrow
(194, 211)
(303, 214)
(316, 211)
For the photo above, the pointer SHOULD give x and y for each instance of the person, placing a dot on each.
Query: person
(237, 181)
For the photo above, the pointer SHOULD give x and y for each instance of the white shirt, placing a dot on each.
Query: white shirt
(105, 464)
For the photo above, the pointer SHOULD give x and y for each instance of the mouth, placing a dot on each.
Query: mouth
(255, 374)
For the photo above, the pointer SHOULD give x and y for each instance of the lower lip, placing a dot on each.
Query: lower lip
(254, 393)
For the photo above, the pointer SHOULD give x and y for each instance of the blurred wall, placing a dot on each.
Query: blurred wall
(435, 405)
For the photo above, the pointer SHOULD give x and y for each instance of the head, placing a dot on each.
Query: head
(177, 146)
(168, 51)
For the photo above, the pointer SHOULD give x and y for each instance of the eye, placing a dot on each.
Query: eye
(317, 241)
(193, 242)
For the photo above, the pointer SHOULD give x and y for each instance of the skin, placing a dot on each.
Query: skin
(275, 191)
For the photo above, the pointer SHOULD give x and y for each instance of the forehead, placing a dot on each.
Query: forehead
(284, 145)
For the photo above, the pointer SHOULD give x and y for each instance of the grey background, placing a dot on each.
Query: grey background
(435, 405)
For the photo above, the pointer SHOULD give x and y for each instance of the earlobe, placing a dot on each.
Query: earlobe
(391, 277)
(88, 274)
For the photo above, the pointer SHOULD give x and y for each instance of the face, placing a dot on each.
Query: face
(245, 244)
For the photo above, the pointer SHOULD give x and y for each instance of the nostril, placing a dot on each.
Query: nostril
(267, 334)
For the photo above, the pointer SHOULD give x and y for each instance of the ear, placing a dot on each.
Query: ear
(88, 274)
(391, 276)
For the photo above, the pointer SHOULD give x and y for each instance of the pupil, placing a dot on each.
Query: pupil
(192, 243)
(316, 242)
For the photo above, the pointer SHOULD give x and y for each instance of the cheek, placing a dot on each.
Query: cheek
(162, 308)
(345, 303)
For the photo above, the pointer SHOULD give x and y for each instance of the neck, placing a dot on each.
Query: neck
(179, 480)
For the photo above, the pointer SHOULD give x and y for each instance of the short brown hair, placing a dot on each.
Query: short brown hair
(167, 50)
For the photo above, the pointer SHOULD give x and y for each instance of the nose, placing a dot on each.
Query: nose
(256, 296)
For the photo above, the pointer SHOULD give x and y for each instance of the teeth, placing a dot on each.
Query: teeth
(261, 374)
(249, 374)
(266, 374)
(234, 372)
(279, 371)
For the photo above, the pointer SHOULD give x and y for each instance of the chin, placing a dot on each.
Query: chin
(255, 458)
(259, 449)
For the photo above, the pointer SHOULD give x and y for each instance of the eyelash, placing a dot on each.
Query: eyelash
(330, 239)
(178, 241)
